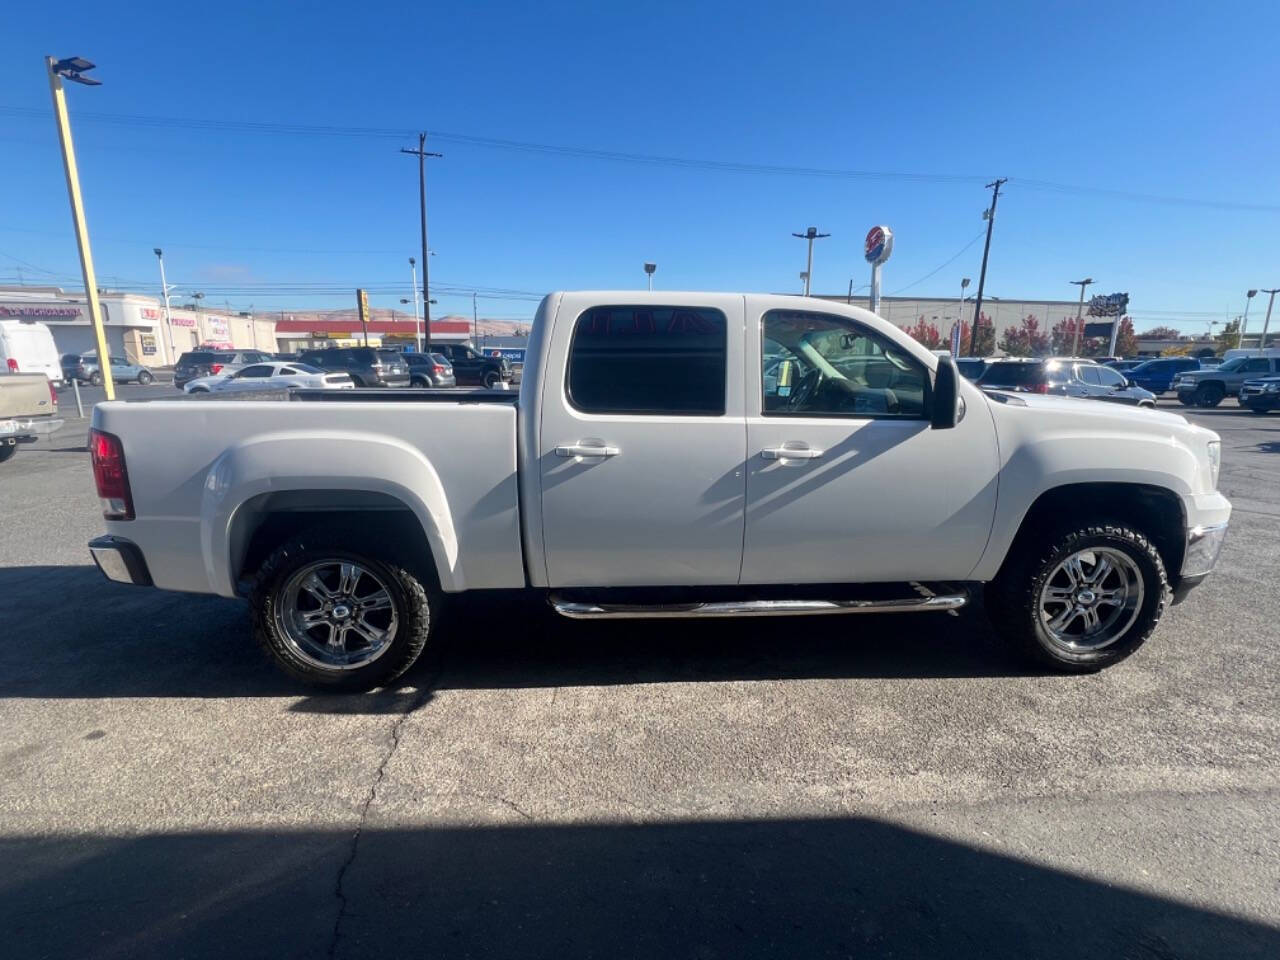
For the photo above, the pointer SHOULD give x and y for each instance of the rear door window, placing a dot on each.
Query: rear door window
(1090, 374)
(648, 360)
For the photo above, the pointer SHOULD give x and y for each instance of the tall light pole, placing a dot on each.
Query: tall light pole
(964, 282)
(1267, 322)
(422, 154)
(168, 317)
(73, 69)
(650, 268)
(417, 323)
(475, 317)
(1248, 299)
(1075, 343)
(811, 235)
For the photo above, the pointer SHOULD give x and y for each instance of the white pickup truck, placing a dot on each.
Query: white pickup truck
(668, 454)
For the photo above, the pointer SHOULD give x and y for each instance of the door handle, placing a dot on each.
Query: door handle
(785, 452)
(587, 449)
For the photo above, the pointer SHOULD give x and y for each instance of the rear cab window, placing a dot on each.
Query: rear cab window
(648, 360)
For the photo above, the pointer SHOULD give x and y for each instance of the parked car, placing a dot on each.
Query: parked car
(1065, 377)
(1159, 373)
(430, 370)
(201, 363)
(349, 521)
(28, 410)
(85, 368)
(472, 368)
(1261, 395)
(971, 367)
(1207, 388)
(271, 376)
(27, 346)
(368, 366)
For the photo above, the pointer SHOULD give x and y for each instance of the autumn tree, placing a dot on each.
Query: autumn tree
(1226, 339)
(1063, 337)
(1160, 333)
(1126, 339)
(986, 338)
(1026, 339)
(926, 333)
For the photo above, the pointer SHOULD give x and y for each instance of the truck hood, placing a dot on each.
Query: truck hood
(1098, 413)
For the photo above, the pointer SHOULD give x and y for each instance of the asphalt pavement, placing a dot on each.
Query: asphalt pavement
(804, 787)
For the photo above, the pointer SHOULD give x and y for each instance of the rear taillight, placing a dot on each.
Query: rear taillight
(53, 394)
(437, 369)
(215, 368)
(110, 476)
(13, 365)
(1040, 388)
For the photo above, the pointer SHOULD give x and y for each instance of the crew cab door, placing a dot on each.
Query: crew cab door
(642, 441)
(846, 480)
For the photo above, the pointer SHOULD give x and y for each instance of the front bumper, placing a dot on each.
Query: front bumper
(1204, 544)
(120, 560)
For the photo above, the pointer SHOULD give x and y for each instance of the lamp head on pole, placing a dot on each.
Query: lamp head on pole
(964, 282)
(74, 69)
(159, 252)
(1251, 294)
(650, 268)
(413, 262)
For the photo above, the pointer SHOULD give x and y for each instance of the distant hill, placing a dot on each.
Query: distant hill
(492, 328)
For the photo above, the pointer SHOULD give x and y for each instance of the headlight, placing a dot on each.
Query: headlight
(1271, 387)
(1215, 462)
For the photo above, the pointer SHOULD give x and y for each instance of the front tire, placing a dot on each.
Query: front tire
(145, 378)
(1209, 395)
(1082, 598)
(490, 379)
(95, 378)
(337, 617)
(7, 450)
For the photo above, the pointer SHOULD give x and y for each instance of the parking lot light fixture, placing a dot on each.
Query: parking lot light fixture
(74, 69)
(1082, 284)
(650, 268)
(1244, 322)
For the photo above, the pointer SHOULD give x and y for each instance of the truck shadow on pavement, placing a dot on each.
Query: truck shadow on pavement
(92, 638)
(808, 888)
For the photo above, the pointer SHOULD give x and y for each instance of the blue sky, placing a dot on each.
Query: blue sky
(1172, 100)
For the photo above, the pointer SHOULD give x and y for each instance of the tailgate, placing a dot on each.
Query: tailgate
(24, 395)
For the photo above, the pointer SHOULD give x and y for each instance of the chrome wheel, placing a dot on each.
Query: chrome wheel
(336, 615)
(1090, 599)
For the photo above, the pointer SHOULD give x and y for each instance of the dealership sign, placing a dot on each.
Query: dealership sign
(879, 245)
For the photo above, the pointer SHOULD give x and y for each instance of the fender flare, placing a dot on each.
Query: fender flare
(288, 461)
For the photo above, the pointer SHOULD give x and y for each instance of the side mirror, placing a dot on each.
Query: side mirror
(946, 392)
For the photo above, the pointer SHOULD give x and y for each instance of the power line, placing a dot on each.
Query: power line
(946, 263)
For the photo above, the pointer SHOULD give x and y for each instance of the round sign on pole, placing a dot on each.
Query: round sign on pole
(879, 245)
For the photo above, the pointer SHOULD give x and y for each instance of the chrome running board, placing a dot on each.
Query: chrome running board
(576, 610)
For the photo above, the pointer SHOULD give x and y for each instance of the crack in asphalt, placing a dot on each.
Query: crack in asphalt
(378, 776)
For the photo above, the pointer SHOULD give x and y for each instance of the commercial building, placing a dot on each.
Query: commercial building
(1003, 313)
(134, 324)
(316, 333)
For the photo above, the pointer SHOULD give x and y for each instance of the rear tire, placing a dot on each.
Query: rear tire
(1209, 395)
(95, 378)
(419, 382)
(7, 450)
(1045, 612)
(296, 623)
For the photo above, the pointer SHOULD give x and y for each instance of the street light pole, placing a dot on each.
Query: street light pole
(650, 268)
(1248, 299)
(964, 282)
(811, 235)
(73, 69)
(1267, 322)
(475, 317)
(168, 317)
(417, 324)
(1075, 343)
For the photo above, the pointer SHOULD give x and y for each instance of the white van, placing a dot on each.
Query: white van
(28, 347)
(1250, 352)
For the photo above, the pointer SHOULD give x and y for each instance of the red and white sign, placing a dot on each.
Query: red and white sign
(879, 245)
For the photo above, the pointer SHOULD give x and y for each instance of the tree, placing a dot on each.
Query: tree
(1063, 336)
(926, 333)
(1160, 333)
(1026, 339)
(1126, 340)
(1226, 340)
(986, 338)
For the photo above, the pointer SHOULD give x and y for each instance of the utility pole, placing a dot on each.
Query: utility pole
(849, 300)
(811, 235)
(422, 154)
(417, 321)
(1075, 343)
(990, 214)
(475, 320)
(74, 69)
(1267, 322)
(1248, 299)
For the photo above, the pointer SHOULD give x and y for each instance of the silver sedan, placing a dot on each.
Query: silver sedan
(271, 376)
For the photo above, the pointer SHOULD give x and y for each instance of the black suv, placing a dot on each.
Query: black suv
(199, 363)
(367, 366)
(474, 369)
(1064, 377)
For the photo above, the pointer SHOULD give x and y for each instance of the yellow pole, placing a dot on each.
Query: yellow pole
(82, 229)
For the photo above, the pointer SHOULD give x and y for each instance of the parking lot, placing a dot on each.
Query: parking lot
(808, 787)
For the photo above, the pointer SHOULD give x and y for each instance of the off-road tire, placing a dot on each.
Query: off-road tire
(1209, 395)
(1013, 598)
(413, 606)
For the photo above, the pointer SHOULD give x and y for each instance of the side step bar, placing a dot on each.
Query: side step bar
(576, 610)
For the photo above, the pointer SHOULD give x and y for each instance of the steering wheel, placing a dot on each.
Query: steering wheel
(804, 389)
